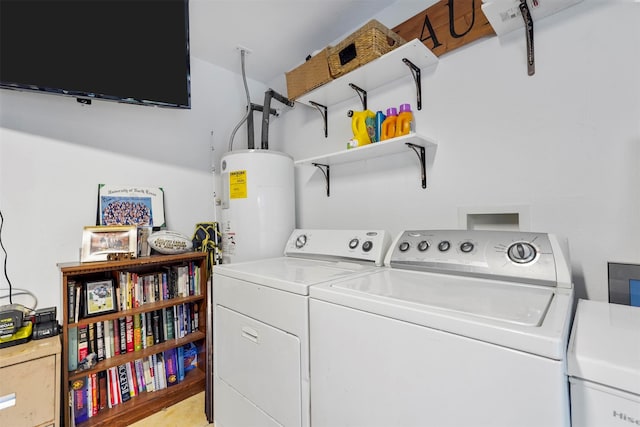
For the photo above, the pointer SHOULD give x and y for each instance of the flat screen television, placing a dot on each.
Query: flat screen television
(131, 51)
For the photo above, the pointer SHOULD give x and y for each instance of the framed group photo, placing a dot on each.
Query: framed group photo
(100, 297)
(100, 241)
(127, 205)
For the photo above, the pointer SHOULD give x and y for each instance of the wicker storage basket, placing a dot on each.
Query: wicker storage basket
(366, 44)
(308, 76)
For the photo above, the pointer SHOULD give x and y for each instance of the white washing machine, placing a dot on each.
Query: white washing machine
(604, 365)
(261, 324)
(466, 328)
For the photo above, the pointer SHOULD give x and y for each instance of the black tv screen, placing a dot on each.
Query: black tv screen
(133, 51)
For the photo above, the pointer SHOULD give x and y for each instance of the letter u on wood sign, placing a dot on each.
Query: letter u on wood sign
(447, 25)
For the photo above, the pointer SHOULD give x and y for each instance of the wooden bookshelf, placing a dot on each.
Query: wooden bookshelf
(144, 403)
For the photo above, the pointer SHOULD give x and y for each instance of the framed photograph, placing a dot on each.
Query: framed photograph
(100, 297)
(126, 205)
(100, 241)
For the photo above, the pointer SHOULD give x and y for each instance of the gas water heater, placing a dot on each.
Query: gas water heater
(258, 204)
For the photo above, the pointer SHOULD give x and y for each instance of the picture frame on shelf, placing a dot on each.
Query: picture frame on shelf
(130, 205)
(100, 241)
(100, 297)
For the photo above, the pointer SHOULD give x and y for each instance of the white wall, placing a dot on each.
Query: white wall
(54, 152)
(563, 145)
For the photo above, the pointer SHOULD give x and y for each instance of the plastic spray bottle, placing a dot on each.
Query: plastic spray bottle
(389, 124)
(404, 123)
(359, 127)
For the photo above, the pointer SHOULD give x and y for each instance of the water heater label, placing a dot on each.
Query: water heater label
(238, 184)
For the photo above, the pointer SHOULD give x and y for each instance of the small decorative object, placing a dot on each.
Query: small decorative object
(99, 241)
(100, 297)
(120, 205)
(169, 242)
(144, 231)
(88, 362)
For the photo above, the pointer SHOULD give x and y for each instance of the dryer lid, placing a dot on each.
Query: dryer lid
(488, 299)
(605, 345)
(291, 274)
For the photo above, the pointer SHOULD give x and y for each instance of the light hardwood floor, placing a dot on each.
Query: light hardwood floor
(188, 413)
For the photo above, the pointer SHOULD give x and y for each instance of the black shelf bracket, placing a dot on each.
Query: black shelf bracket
(420, 152)
(415, 72)
(325, 172)
(361, 93)
(323, 113)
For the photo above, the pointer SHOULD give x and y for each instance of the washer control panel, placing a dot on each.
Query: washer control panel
(359, 245)
(519, 256)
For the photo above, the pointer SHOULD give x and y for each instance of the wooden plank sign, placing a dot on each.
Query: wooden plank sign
(447, 25)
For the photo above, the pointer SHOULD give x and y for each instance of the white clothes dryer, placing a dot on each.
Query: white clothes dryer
(465, 328)
(604, 365)
(261, 324)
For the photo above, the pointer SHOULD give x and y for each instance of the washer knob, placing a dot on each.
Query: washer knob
(521, 252)
(466, 247)
(301, 240)
(353, 243)
(404, 246)
(444, 246)
(366, 246)
(423, 246)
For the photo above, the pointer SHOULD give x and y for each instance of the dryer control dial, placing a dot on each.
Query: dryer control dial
(301, 240)
(353, 243)
(423, 246)
(521, 252)
(367, 245)
(404, 246)
(444, 246)
(466, 247)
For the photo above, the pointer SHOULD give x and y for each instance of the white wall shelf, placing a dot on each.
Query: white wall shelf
(373, 75)
(410, 58)
(413, 141)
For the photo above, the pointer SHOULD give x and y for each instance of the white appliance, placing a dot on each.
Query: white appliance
(261, 324)
(258, 204)
(466, 328)
(604, 365)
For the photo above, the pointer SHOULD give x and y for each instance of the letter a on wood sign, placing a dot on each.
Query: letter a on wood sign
(447, 25)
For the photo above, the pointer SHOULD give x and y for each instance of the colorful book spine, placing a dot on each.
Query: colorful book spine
(83, 342)
(171, 366)
(122, 325)
(80, 408)
(99, 327)
(129, 332)
(73, 349)
(137, 332)
(123, 381)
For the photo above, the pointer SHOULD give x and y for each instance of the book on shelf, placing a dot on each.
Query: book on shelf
(149, 326)
(94, 394)
(170, 323)
(73, 348)
(122, 326)
(190, 360)
(83, 342)
(137, 332)
(115, 328)
(123, 381)
(108, 338)
(71, 301)
(102, 390)
(80, 404)
(148, 374)
(99, 334)
(171, 366)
